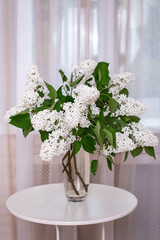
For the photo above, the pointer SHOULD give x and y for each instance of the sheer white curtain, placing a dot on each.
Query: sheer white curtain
(53, 34)
(139, 51)
(57, 34)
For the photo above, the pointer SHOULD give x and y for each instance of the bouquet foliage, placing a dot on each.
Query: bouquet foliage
(90, 111)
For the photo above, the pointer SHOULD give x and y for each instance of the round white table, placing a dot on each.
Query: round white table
(47, 204)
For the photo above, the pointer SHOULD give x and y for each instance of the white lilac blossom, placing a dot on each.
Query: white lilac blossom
(34, 87)
(123, 144)
(13, 111)
(128, 106)
(120, 81)
(47, 120)
(94, 109)
(141, 135)
(61, 123)
(74, 114)
(77, 113)
(58, 143)
(35, 91)
(86, 95)
(85, 67)
(107, 149)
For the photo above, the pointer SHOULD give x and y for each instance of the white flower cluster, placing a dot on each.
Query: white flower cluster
(120, 81)
(34, 88)
(77, 112)
(128, 106)
(58, 143)
(86, 67)
(13, 111)
(86, 95)
(62, 123)
(141, 136)
(47, 120)
(123, 144)
(94, 109)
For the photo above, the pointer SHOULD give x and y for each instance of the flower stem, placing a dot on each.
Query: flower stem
(68, 172)
(78, 174)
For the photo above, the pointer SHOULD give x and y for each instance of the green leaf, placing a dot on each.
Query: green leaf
(62, 99)
(57, 106)
(88, 143)
(137, 151)
(112, 105)
(101, 75)
(101, 118)
(110, 121)
(89, 131)
(135, 119)
(104, 97)
(72, 84)
(103, 135)
(67, 87)
(88, 80)
(44, 135)
(110, 162)
(23, 112)
(88, 84)
(120, 124)
(80, 131)
(98, 135)
(41, 94)
(126, 156)
(59, 93)
(27, 131)
(111, 135)
(52, 92)
(69, 99)
(21, 121)
(150, 151)
(64, 78)
(72, 77)
(105, 91)
(99, 103)
(47, 102)
(40, 109)
(76, 147)
(127, 119)
(94, 166)
(124, 91)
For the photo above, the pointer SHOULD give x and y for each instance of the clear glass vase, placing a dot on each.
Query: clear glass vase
(76, 172)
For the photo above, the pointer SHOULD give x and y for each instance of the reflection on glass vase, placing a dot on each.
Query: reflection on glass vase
(76, 172)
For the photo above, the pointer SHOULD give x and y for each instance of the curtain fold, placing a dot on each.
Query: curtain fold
(7, 97)
(52, 34)
(138, 52)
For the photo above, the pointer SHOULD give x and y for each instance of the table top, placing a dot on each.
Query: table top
(47, 204)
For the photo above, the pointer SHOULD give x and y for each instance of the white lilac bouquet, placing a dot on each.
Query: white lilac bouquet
(90, 111)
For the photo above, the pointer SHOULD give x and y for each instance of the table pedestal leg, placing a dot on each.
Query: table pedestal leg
(57, 232)
(103, 231)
